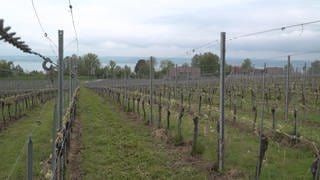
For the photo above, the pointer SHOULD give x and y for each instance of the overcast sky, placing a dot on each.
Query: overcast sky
(166, 28)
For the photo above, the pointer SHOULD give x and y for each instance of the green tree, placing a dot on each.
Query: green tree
(81, 69)
(165, 65)
(246, 64)
(6, 68)
(88, 65)
(142, 69)
(207, 62)
(18, 70)
(99, 73)
(117, 72)
(66, 63)
(126, 71)
(112, 65)
(315, 67)
(106, 72)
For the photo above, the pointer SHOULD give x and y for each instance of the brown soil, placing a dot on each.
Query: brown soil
(229, 175)
(74, 152)
(160, 134)
(132, 115)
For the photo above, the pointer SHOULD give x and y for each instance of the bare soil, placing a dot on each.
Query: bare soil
(74, 152)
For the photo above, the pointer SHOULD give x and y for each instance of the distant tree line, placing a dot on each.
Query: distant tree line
(9, 69)
(313, 69)
(90, 65)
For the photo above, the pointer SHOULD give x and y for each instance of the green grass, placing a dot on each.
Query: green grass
(242, 148)
(13, 142)
(115, 147)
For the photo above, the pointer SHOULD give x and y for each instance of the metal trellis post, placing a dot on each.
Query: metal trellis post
(287, 90)
(60, 95)
(261, 123)
(221, 119)
(29, 161)
(151, 92)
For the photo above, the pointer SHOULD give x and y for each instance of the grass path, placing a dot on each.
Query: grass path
(38, 121)
(115, 147)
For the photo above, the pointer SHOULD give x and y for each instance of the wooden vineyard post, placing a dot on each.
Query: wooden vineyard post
(195, 135)
(143, 110)
(168, 117)
(9, 112)
(133, 104)
(273, 111)
(180, 138)
(295, 130)
(29, 159)
(138, 105)
(255, 115)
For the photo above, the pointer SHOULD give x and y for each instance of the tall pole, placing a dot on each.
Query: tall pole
(151, 92)
(261, 124)
(75, 73)
(60, 80)
(221, 119)
(287, 90)
(125, 87)
(60, 93)
(303, 89)
(70, 78)
(176, 81)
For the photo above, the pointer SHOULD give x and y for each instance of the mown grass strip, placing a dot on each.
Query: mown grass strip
(38, 121)
(115, 147)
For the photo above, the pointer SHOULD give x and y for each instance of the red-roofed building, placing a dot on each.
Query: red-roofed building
(184, 72)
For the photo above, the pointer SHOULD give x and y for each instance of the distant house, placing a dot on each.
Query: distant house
(237, 70)
(184, 72)
(275, 70)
